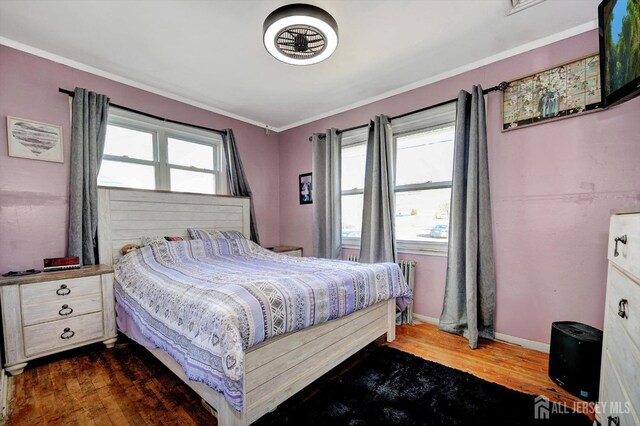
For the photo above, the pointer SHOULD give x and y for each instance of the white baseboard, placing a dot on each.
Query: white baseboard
(529, 344)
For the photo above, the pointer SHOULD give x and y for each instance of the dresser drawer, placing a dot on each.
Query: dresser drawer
(626, 226)
(60, 290)
(623, 293)
(61, 309)
(614, 402)
(625, 356)
(54, 335)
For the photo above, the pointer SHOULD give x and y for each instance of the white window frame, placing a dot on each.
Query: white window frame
(424, 121)
(353, 138)
(162, 131)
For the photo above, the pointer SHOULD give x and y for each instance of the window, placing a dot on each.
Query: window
(424, 166)
(145, 153)
(354, 152)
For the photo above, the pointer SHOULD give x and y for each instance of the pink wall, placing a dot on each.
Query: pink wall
(34, 194)
(552, 188)
(553, 185)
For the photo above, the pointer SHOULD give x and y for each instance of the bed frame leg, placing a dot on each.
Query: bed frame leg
(228, 416)
(391, 320)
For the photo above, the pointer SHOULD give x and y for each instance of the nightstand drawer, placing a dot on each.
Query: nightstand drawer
(56, 311)
(57, 334)
(287, 250)
(61, 309)
(59, 290)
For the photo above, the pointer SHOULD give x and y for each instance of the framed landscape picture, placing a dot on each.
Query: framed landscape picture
(555, 93)
(305, 189)
(34, 140)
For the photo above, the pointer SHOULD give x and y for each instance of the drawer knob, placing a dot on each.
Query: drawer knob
(623, 240)
(63, 290)
(67, 333)
(66, 310)
(622, 308)
(613, 421)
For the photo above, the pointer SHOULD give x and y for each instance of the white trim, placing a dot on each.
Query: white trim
(429, 249)
(519, 5)
(425, 121)
(525, 343)
(588, 26)
(417, 318)
(124, 80)
(161, 132)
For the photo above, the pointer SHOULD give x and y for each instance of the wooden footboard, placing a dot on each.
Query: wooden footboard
(280, 367)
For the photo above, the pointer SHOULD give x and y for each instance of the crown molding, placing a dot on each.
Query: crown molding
(588, 26)
(456, 71)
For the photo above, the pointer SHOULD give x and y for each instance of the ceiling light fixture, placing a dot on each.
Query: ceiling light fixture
(300, 34)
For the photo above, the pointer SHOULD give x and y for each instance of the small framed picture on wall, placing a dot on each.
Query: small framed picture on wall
(305, 189)
(34, 140)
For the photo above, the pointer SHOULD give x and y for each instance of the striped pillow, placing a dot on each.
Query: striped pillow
(158, 239)
(213, 234)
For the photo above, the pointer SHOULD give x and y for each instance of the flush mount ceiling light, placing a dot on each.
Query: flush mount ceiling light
(300, 34)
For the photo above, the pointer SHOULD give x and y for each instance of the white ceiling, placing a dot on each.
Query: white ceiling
(209, 52)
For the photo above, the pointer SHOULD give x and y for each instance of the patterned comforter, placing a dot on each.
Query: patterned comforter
(205, 301)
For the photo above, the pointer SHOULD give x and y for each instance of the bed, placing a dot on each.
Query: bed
(272, 370)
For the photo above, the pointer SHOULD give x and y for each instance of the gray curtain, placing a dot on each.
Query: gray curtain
(469, 300)
(88, 131)
(238, 182)
(327, 201)
(378, 238)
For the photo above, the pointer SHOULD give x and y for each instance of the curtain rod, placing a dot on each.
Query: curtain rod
(146, 114)
(501, 87)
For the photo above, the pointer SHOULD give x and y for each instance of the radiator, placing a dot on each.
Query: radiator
(408, 268)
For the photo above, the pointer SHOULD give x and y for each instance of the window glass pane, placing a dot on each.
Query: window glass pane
(128, 175)
(425, 157)
(183, 153)
(353, 161)
(423, 215)
(130, 143)
(188, 181)
(352, 215)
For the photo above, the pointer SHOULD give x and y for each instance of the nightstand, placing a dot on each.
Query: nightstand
(51, 312)
(287, 250)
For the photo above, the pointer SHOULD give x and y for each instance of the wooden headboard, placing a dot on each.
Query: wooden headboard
(125, 215)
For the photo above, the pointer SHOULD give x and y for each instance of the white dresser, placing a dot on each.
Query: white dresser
(52, 312)
(620, 374)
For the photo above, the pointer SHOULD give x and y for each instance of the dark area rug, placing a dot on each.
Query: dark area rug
(387, 386)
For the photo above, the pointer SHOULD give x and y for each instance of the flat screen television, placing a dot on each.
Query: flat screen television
(619, 25)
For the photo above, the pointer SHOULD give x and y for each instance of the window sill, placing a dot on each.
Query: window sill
(428, 249)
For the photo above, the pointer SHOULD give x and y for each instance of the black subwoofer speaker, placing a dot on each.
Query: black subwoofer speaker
(574, 358)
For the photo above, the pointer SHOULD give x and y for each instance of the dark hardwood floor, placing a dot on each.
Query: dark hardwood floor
(126, 385)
